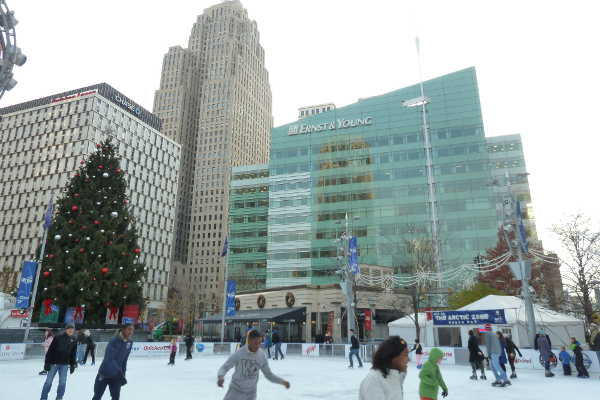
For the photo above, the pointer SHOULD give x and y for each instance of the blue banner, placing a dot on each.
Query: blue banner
(26, 284)
(230, 305)
(522, 231)
(478, 317)
(225, 248)
(353, 255)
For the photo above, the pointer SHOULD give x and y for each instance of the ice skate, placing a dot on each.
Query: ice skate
(496, 383)
(506, 383)
(549, 374)
(474, 377)
(513, 376)
(483, 377)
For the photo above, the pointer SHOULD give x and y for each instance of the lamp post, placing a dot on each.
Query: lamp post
(10, 54)
(346, 275)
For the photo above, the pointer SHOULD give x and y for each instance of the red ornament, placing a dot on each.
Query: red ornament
(77, 175)
(76, 195)
(125, 286)
(46, 273)
(96, 222)
(50, 255)
(108, 243)
(104, 270)
(98, 145)
(83, 228)
(126, 201)
(81, 250)
(118, 170)
(115, 284)
(137, 251)
(123, 254)
(71, 221)
(82, 162)
(100, 166)
(74, 208)
(47, 306)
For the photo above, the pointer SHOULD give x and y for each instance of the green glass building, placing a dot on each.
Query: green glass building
(363, 165)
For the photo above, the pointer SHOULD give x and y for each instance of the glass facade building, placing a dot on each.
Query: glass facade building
(363, 165)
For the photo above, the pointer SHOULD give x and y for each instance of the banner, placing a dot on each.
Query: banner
(12, 351)
(74, 315)
(131, 312)
(368, 320)
(112, 315)
(51, 317)
(26, 284)
(19, 313)
(310, 350)
(449, 358)
(353, 255)
(230, 305)
(330, 319)
(522, 230)
(478, 317)
(204, 348)
(151, 349)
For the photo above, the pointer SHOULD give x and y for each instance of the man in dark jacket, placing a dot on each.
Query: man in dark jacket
(90, 348)
(544, 346)
(276, 339)
(61, 357)
(512, 350)
(189, 345)
(354, 349)
(475, 356)
(582, 372)
(114, 365)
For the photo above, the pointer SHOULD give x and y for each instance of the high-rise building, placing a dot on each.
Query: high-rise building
(316, 109)
(215, 100)
(42, 143)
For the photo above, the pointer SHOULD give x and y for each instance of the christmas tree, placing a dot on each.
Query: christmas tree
(91, 261)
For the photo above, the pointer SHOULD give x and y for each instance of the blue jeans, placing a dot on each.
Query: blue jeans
(80, 352)
(354, 352)
(114, 387)
(278, 351)
(499, 373)
(63, 371)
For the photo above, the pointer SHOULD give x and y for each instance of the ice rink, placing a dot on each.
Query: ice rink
(310, 378)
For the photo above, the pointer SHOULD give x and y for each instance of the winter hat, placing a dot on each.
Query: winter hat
(69, 326)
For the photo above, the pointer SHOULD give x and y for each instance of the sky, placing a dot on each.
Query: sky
(537, 64)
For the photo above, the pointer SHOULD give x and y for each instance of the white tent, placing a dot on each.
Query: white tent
(560, 327)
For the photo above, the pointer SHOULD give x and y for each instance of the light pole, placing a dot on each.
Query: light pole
(346, 275)
(10, 54)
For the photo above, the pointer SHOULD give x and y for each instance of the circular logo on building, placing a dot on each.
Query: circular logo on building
(238, 304)
(260, 301)
(290, 299)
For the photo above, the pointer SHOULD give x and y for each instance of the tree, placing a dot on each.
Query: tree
(8, 280)
(581, 245)
(91, 257)
(183, 302)
(467, 296)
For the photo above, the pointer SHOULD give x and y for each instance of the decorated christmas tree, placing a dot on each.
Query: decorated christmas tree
(91, 262)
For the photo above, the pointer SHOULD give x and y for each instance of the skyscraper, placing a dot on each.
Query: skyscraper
(215, 100)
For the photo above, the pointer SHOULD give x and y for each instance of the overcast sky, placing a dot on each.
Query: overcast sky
(537, 65)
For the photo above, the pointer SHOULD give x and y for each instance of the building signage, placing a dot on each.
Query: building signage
(127, 104)
(478, 317)
(330, 126)
(74, 96)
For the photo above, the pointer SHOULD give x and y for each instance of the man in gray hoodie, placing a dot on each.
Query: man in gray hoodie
(494, 349)
(248, 360)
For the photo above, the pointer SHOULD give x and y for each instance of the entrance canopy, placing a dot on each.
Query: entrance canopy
(265, 315)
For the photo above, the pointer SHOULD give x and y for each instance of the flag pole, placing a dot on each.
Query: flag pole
(226, 251)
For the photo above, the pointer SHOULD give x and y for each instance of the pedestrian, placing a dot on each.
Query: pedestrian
(80, 345)
(114, 365)
(247, 361)
(61, 357)
(354, 350)
(582, 372)
(495, 349)
(543, 345)
(189, 346)
(388, 370)
(276, 339)
(475, 356)
(90, 347)
(595, 339)
(431, 377)
(418, 349)
(268, 343)
(173, 347)
(512, 350)
(503, 358)
(48, 337)
(565, 359)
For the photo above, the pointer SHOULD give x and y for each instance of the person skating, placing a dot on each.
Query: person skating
(565, 359)
(582, 372)
(90, 347)
(543, 345)
(418, 349)
(173, 347)
(276, 339)
(61, 357)
(189, 346)
(354, 350)
(494, 348)
(431, 377)
(114, 365)
(48, 337)
(503, 358)
(475, 356)
(80, 345)
(386, 378)
(268, 343)
(247, 361)
(512, 350)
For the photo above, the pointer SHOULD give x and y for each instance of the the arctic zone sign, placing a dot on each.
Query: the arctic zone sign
(330, 126)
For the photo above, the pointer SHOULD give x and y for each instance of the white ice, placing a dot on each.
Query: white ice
(310, 378)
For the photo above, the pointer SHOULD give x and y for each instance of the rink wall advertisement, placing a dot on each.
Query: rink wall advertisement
(310, 350)
(204, 349)
(151, 349)
(531, 360)
(12, 351)
(449, 356)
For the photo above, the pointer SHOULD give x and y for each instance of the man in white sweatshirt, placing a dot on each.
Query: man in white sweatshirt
(385, 380)
(248, 360)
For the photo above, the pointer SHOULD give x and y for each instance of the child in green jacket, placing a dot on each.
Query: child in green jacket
(431, 377)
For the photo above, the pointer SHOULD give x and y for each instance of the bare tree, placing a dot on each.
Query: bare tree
(581, 244)
(183, 301)
(8, 280)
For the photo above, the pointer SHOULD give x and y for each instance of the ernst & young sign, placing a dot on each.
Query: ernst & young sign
(330, 126)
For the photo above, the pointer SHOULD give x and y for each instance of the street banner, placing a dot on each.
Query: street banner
(330, 318)
(112, 315)
(131, 313)
(51, 316)
(12, 351)
(353, 255)
(522, 230)
(478, 317)
(74, 315)
(368, 320)
(230, 305)
(310, 350)
(26, 284)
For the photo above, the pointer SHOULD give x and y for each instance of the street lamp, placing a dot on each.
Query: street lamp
(10, 54)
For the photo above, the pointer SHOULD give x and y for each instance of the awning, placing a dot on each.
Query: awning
(269, 314)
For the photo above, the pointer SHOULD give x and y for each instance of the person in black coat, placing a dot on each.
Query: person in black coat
(582, 372)
(512, 350)
(475, 356)
(61, 357)
(189, 345)
(354, 350)
(90, 348)
(276, 340)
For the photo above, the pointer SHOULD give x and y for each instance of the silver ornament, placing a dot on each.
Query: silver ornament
(81, 289)
(120, 267)
(68, 267)
(114, 214)
(101, 230)
(98, 203)
(87, 238)
(70, 234)
(57, 237)
(67, 251)
(105, 175)
(99, 255)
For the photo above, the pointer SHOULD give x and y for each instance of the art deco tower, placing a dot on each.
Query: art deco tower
(215, 100)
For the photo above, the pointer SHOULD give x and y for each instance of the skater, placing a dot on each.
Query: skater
(48, 337)
(577, 351)
(475, 356)
(114, 365)
(512, 350)
(565, 359)
(80, 345)
(90, 347)
(418, 349)
(354, 350)
(276, 339)
(61, 357)
(173, 352)
(189, 346)
(503, 359)
(495, 350)
(542, 344)
(386, 378)
(268, 343)
(247, 361)
(431, 377)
